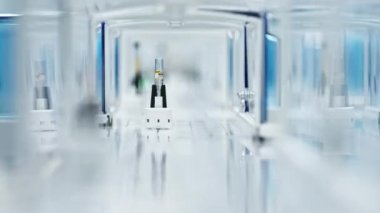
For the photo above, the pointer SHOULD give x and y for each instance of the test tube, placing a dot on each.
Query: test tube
(158, 74)
(41, 88)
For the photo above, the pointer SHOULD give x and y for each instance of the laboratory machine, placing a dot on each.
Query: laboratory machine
(246, 106)
(158, 115)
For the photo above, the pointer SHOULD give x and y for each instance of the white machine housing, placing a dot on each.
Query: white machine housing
(158, 117)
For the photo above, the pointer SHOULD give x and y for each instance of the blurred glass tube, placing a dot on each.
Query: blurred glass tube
(159, 74)
(41, 101)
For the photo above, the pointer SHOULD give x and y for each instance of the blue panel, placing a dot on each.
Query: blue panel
(7, 66)
(264, 93)
(354, 63)
(246, 78)
(271, 66)
(100, 66)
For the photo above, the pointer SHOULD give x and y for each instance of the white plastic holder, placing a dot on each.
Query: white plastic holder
(44, 130)
(158, 118)
(43, 120)
(41, 104)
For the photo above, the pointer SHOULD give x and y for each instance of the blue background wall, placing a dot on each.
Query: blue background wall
(354, 62)
(271, 61)
(100, 69)
(7, 66)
